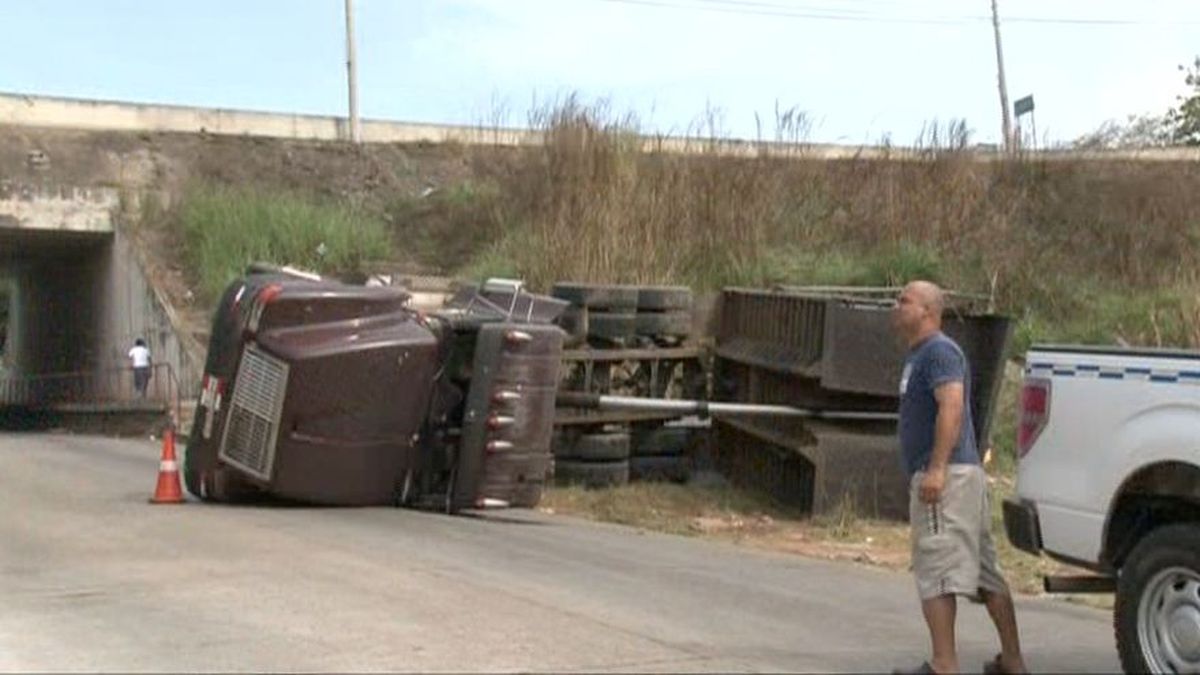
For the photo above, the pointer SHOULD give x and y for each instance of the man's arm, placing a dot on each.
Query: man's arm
(946, 433)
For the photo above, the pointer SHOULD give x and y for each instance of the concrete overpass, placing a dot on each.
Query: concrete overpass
(74, 113)
(77, 300)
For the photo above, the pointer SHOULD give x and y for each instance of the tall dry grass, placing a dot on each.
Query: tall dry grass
(1078, 250)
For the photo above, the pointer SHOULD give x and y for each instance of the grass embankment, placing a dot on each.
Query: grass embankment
(1080, 251)
(226, 228)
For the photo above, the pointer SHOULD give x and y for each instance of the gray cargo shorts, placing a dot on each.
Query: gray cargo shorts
(952, 548)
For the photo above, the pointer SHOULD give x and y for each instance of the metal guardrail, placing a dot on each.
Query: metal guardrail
(103, 388)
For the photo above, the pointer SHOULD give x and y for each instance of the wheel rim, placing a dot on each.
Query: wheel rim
(1169, 621)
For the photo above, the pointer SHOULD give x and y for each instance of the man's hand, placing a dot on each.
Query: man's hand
(932, 485)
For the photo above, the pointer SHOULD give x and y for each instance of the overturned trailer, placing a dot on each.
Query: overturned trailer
(832, 349)
(326, 393)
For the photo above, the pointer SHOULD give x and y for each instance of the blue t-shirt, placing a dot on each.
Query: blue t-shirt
(929, 365)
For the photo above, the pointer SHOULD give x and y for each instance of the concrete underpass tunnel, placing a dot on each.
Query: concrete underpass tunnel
(53, 294)
(73, 298)
(6, 294)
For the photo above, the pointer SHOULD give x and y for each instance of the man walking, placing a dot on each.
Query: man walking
(139, 356)
(952, 549)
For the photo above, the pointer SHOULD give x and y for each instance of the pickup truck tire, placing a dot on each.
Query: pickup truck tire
(590, 474)
(1158, 603)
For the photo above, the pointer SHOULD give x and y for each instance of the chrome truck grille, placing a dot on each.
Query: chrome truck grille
(250, 435)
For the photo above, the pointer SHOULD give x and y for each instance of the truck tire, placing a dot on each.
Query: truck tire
(562, 443)
(574, 322)
(664, 298)
(660, 441)
(609, 326)
(591, 474)
(1158, 602)
(664, 324)
(671, 468)
(604, 447)
(614, 298)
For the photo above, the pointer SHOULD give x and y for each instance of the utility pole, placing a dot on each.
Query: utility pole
(1006, 120)
(352, 77)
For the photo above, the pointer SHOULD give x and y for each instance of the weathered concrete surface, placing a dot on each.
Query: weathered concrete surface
(60, 208)
(95, 579)
(51, 111)
(74, 113)
(80, 294)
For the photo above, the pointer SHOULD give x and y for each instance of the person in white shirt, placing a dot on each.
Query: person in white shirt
(140, 356)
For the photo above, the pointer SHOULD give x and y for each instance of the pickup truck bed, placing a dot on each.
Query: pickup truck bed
(1109, 479)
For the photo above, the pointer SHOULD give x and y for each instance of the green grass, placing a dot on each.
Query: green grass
(448, 227)
(500, 259)
(1091, 311)
(226, 228)
(886, 266)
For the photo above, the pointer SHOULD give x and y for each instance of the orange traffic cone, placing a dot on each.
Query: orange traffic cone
(168, 490)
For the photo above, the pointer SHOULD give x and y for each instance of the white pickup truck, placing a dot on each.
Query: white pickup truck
(1109, 480)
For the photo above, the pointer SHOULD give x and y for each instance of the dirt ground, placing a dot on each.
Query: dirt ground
(725, 514)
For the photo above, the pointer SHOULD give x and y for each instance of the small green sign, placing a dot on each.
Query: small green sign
(1023, 105)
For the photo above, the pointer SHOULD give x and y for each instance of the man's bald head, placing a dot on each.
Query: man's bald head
(929, 295)
(918, 312)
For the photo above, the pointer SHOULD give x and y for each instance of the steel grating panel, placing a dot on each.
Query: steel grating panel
(250, 435)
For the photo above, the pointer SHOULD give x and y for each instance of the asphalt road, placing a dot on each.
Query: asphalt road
(92, 578)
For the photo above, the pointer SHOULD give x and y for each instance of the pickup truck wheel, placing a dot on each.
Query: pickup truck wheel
(1157, 616)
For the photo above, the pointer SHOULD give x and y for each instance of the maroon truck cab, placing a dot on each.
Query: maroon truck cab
(325, 393)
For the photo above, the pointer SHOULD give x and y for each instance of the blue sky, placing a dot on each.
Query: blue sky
(860, 68)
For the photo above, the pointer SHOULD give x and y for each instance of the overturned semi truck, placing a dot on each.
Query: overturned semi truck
(326, 393)
(320, 392)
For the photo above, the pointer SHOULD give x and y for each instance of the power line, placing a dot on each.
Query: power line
(782, 10)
